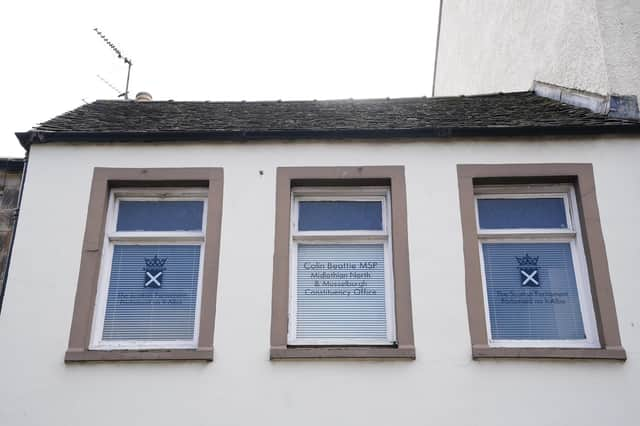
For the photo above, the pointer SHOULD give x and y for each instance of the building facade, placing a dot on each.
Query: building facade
(428, 193)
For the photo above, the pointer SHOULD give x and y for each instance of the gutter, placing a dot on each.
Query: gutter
(39, 137)
(13, 231)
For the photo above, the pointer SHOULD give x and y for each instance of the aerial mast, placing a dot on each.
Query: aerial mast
(120, 56)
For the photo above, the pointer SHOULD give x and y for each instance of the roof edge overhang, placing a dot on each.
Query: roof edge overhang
(39, 137)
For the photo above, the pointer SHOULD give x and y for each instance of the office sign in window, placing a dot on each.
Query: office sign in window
(532, 292)
(152, 293)
(341, 291)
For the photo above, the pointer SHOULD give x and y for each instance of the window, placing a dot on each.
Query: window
(341, 289)
(536, 285)
(533, 289)
(150, 282)
(149, 267)
(341, 284)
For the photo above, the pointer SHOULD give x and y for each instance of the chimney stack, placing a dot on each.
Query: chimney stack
(143, 97)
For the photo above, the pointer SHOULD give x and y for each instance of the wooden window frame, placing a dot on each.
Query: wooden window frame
(105, 180)
(580, 177)
(289, 178)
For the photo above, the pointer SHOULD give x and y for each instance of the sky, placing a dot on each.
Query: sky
(53, 61)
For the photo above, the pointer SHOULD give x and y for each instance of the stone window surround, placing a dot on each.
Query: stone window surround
(579, 175)
(105, 179)
(391, 176)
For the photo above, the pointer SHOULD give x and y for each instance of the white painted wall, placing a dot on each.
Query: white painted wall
(444, 386)
(504, 45)
(620, 29)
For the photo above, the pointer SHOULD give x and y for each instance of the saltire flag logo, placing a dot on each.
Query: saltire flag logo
(529, 271)
(153, 272)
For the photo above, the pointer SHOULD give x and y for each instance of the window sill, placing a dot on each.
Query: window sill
(612, 353)
(362, 352)
(140, 355)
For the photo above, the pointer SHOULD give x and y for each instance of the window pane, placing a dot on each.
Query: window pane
(513, 213)
(531, 291)
(341, 292)
(160, 216)
(340, 215)
(152, 292)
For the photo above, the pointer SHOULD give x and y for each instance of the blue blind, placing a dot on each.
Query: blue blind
(531, 291)
(341, 292)
(160, 216)
(513, 213)
(162, 308)
(339, 215)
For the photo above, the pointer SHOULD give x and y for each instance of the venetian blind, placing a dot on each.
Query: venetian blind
(156, 302)
(531, 291)
(341, 292)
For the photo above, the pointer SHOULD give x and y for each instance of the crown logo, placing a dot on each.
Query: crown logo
(153, 272)
(155, 263)
(527, 260)
(529, 272)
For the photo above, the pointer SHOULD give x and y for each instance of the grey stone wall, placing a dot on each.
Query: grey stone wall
(10, 176)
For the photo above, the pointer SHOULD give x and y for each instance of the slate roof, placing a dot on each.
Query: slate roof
(519, 113)
(11, 164)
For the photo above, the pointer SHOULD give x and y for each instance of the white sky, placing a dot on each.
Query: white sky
(209, 50)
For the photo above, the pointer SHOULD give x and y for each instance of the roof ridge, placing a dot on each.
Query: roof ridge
(290, 101)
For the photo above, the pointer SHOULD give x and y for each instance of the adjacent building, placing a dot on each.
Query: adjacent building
(10, 179)
(505, 45)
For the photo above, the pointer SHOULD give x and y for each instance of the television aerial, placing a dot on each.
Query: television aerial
(126, 60)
